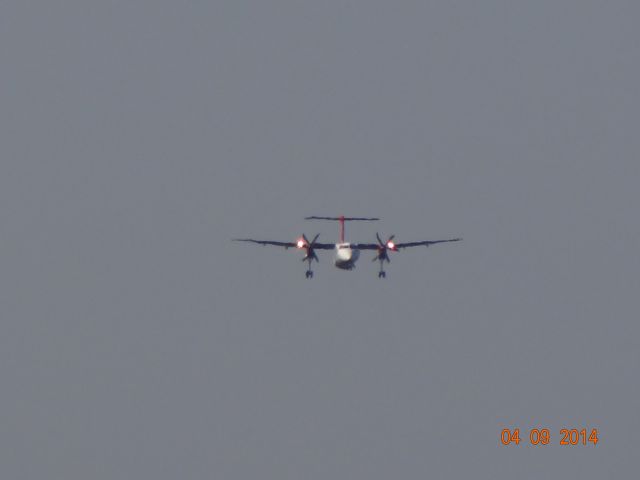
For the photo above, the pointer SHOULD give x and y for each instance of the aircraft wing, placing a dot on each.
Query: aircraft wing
(398, 246)
(316, 246)
(365, 246)
(426, 243)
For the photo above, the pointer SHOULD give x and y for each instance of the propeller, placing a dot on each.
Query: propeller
(303, 242)
(383, 247)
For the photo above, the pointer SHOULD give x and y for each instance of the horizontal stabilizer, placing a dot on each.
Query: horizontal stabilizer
(349, 219)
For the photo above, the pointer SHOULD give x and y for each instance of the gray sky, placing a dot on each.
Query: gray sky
(138, 137)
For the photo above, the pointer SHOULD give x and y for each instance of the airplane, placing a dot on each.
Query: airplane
(346, 254)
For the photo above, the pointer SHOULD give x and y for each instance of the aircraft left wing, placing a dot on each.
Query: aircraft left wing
(426, 243)
(398, 246)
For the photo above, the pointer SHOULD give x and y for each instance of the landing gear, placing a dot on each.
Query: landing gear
(309, 272)
(382, 273)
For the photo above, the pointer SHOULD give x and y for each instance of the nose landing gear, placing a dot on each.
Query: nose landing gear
(382, 274)
(308, 274)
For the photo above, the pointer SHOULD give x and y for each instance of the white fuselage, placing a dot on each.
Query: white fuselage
(346, 256)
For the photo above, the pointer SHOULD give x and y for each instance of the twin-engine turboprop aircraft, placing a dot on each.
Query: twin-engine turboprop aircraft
(346, 254)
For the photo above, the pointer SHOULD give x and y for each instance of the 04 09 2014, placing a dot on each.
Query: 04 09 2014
(543, 436)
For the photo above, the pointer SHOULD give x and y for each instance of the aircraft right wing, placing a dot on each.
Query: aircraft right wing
(286, 245)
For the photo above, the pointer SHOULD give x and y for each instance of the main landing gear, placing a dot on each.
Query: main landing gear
(382, 273)
(309, 272)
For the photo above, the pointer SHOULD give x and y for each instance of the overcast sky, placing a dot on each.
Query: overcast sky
(138, 137)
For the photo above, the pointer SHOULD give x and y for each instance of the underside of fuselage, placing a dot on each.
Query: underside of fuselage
(342, 265)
